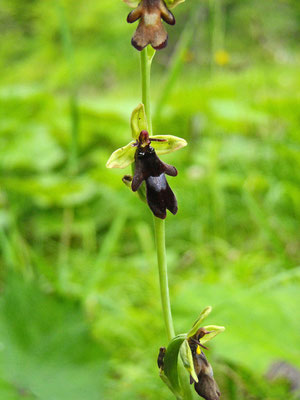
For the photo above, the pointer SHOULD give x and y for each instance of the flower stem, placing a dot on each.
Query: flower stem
(159, 228)
(159, 224)
(146, 95)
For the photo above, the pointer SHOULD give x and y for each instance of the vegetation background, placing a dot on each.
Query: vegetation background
(80, 315)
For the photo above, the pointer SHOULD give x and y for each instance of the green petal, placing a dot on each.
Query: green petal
(132, 3)
(187, 359)
(122, 157)
(138, 121)
(198, 322)
(171, 360)
(170, 144)
(170, 3)
(214, 329)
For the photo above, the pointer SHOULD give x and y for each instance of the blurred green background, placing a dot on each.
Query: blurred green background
(80, 311)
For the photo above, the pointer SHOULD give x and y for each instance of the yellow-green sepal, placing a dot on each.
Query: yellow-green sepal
(197, 324)
(187, 359)
(138, 121)
(122, 157)
(168, 144)
(214, 331)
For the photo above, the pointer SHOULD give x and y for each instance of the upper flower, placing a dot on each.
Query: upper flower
(150, 29)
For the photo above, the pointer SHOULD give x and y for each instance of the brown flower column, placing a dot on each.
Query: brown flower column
(150, 29)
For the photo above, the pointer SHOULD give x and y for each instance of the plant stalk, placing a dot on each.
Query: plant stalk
(159, 228)
(159, 224)
(146, 80)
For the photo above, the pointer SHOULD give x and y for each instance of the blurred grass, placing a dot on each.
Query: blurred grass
(80, 313)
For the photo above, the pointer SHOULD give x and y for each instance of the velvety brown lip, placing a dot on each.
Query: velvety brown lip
(147, 32)
(151, 170)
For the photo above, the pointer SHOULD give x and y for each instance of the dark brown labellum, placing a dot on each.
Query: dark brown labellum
(149, 168)
(206, 386)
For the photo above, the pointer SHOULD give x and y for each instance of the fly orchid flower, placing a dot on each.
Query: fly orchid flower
(205, 386)
(190, 345)
(148, 167)
(150, 29)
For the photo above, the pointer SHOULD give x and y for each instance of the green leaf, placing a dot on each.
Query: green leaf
(122, 157)
(171, 3)
(138, 121)
(214, 329)
(170, 144)
(187, 359)
(198, 322)
(171, 360)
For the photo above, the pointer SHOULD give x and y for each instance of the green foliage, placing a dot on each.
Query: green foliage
(47, 351)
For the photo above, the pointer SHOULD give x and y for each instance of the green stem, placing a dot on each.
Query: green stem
(159, 227)
(146, 62)
(159, 224)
